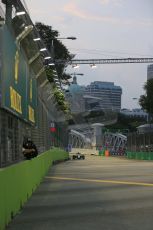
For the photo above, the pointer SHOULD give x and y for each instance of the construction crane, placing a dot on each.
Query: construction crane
(104, 61)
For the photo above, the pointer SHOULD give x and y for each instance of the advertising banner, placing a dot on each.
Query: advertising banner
(18, 83)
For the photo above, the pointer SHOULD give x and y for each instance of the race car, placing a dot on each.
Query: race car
(78, 156)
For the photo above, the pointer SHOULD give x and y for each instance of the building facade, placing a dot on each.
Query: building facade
(108, 94)
(149, 72)
(74, 94)
(135, 113)
(27, 106)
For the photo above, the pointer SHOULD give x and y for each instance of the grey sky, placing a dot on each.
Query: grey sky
(104, 29)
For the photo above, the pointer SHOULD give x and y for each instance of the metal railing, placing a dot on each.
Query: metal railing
(140, 142)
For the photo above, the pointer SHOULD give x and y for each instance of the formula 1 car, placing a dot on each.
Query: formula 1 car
(78, 156)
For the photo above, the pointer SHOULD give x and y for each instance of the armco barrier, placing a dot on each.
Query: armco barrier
(18, 182)
(140, 155)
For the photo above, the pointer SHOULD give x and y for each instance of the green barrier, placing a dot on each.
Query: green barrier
(140, 155)
(20, 180)
(147, 155)
(143, 156)
(151, 155)
(129, 155)
(133, 155)
(102, 153)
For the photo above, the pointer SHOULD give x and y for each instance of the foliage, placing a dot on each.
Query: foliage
(55, 46)
(49, 74)
(58, 52)
(60, 98)
(66, 78)
(146, 100)
(96, 113)
(126, 122)
(58, 94)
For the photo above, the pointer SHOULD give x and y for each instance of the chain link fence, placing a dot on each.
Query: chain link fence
(140, 142)
(13, 131)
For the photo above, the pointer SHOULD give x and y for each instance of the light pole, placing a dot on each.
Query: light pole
(71, 38)
(58, 38)
(52, 49)
(74, 74)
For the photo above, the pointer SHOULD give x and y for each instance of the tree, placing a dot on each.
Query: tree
(61, 102)
(58, 52)
(55, 46)
(146, 100)
(125, 122)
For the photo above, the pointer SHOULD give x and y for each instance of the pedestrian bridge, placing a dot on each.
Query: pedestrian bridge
(78, 140)
(115, 142)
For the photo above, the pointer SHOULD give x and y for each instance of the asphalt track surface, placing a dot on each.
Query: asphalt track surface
(98, 193)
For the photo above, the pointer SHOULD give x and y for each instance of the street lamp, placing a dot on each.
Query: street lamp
(93, 66)
(71, 38)
(18, 13)
(80, 74)
(58, 38)
(47, 57)
(51, 63)
(37, 39)
(43, 49)
(75, 66)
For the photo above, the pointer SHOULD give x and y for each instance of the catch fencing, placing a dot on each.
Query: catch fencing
(140, 142)
(13, 131)
(27, 108)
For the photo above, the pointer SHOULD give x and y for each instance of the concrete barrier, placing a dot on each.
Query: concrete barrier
(18, 182)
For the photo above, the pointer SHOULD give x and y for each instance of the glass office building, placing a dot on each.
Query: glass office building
(109, 94)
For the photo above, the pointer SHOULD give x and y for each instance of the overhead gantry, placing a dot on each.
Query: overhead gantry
(105, 61)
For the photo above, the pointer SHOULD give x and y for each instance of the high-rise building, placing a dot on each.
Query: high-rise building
(74, 94)
(108, 94)
(149, 72)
